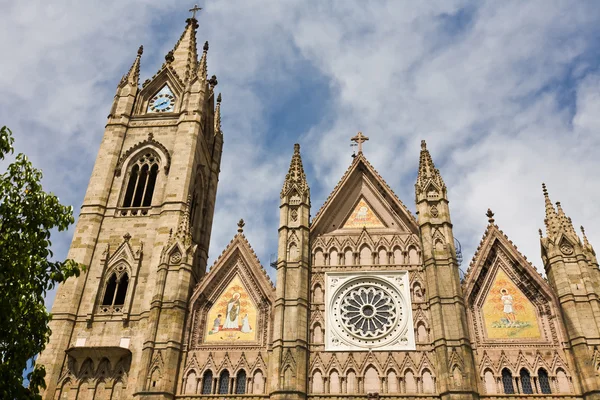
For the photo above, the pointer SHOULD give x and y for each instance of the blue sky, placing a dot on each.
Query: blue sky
(507, 95)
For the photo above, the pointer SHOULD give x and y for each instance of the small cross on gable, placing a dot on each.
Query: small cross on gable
(360, 139)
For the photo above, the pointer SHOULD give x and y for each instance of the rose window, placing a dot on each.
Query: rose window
(368, 311)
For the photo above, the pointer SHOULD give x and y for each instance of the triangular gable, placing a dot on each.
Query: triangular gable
(510, 296)
(239, 293)
(362, 182)
(363, 216)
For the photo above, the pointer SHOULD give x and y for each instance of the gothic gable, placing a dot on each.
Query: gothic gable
(231, 305)
(508, 301)
(360, 200)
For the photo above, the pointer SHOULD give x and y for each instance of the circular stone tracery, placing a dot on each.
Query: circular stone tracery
(368, 312)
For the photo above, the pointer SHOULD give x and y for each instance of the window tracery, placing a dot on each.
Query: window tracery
(507, 381)
(142, 181)
(115, 289)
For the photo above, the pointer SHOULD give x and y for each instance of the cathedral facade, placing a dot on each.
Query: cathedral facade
(368, 301)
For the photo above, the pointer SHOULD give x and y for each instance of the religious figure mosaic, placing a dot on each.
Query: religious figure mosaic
(233, 317)
(508, 313)
(363, 216)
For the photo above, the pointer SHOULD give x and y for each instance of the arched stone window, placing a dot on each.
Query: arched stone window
(526, 381)
(490, 382)
(371, 380)
(318, 294)
(240, 382)
(207, 381)
(142, 180)
(334, 382)
(224, 382)
(319, 258)
(409, 382)
(563, 381)
(317, 382)
(351, 382)
(544, 381)
(293, 252)
(422, 336)
(383, 256)
(507, 381)
(413, 256)
(116, 289)
(428, 385)
(317, 334)
(365, 256)
(333, 257)
(392, 382)
(191, 383)
(258, 383)
(398, 257)
(154, 377)
(348, 257)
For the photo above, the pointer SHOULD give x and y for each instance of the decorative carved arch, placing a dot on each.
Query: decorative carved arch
(151, 144)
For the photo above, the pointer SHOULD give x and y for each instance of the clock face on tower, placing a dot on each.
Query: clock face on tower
(163, 101)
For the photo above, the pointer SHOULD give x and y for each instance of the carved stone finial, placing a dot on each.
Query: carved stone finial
(240, 225)
(213, 81)
(297, 148)
(205, 48)
(140, 50)
(540, 232)
(169, 57)
(490, 216)
(150, 136)
(219, 98)
(423, 144)
(127, 236)
(544, 189)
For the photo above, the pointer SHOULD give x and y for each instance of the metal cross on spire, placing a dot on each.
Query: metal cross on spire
(360, 139)
(194, 9)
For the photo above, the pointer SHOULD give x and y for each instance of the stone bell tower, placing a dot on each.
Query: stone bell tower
(143, 233)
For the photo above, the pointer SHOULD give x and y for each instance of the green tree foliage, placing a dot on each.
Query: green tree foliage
(27, 215)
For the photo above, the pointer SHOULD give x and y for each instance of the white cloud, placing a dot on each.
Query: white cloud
(506, 94)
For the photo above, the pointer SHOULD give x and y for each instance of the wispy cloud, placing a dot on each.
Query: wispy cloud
(506, 94)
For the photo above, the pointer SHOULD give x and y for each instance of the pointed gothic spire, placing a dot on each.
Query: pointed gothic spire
(551, 221)
(184, 230)
(428, 172)
(586, 243)
(218, 116)
(295, 176)
(184, 56)
(565, 222)
(132, 77)
(202, 66)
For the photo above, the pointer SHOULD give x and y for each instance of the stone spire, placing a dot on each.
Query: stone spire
(184, 56)
(184, 230)
(218, 116)
(565, 222)
(552, 220)
(202, 66)
(295, 176)
(132, 77)
(586, 243)
(428, 172)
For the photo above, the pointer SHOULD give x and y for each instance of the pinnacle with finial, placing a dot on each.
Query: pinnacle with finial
(241, 225)
(218, 116)
(132, 77)
(295, 176)
(551, 220)
(427, 171)
(490, 216)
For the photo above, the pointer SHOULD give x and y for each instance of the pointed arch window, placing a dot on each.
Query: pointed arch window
(224, 382)
(116, 289)
(526, 381)
(207, 382)
(240, 382)
(544, 381)
(142, 180)
(507, 381)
